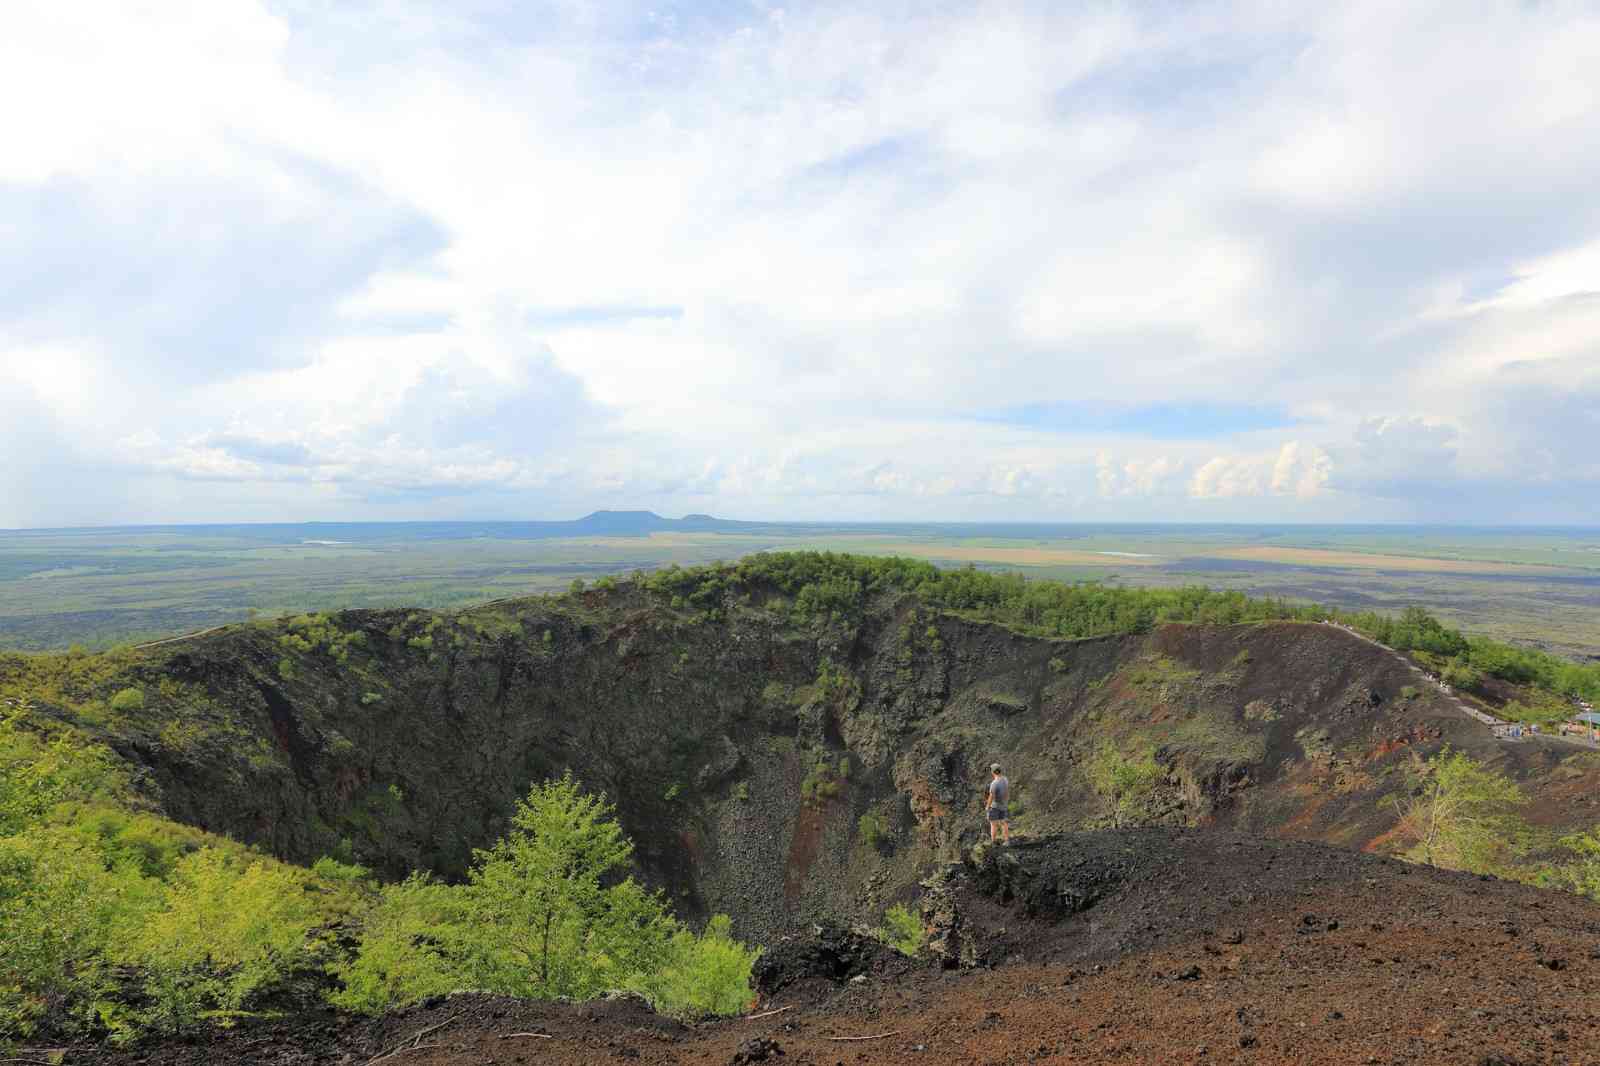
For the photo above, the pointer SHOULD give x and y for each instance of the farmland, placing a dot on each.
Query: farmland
(100, 587)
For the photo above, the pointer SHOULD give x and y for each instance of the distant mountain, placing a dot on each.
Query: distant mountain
(622, 522)
(642, 523)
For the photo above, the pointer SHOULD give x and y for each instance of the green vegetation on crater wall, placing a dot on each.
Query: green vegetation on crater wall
(823, 586)
(542, 916)
(118, 921)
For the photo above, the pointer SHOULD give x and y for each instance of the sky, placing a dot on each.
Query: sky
(379, 259)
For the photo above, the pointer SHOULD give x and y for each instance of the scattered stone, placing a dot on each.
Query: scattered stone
(757, 1049)
(1191, 973)
(831, 953)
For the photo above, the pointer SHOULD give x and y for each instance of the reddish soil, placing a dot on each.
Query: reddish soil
(1144, 946)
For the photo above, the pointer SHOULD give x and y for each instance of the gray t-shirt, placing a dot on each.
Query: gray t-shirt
(999, 791)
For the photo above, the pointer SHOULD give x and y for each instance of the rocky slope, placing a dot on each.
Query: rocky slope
(744, 747)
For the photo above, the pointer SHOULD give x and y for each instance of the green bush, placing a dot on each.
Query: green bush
(62, 911)
(1582, 873)
(228, 931)
(706, 974)
(821, 783)
(331, 869)
(128, 699)
(1458, 814)
(412, 946)
(1538, 709)
(873, 830)
(1123, 782)
(902, 930)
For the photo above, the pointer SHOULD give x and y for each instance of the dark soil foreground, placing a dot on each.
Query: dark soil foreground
(1144, 946)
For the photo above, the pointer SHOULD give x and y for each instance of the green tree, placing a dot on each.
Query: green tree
(554, 927)
(1123, 782)
(543, 915)
(1460, 815)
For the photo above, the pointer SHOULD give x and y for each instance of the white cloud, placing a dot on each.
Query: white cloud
(1297, 470)
(262, 257)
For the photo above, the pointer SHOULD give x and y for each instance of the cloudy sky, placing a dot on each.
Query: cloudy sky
(506, 259)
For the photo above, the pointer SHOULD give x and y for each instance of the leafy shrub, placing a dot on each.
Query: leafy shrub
(227, 931)
(821, 783)
(1538, 709)
(1582, 873)
(330, 869)
(412, 944)
(706, 974)
(128, 699)
(873, 830)
(1459, 815)
(1121, 781)
(38, 773)
(61, 910)
(902, 930)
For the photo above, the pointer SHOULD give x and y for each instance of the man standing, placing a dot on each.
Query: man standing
(995, 798)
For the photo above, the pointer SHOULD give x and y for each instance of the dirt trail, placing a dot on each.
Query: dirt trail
(1215, 948)
(1449, 694)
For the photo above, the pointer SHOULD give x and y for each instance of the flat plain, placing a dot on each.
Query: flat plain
(98, 587)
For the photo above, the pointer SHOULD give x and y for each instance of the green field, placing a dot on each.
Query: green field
(99, 587)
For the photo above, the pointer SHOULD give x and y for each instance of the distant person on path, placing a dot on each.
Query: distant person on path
(995, 798)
